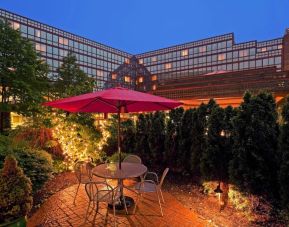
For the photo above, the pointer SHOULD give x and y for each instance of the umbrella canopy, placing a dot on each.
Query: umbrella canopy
(114, 100)
(111, 100)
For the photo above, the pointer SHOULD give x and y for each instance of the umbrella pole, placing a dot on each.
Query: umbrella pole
(118, 140)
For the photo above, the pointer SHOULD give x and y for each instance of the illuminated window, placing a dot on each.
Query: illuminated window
(113, 76)
(263, 49)
(185, 53)
(40, 47)
(140, 61)
(127, 79)
(154, 58)
(99, 73)
(140, 79)
(280, 47)
(126, 61)
(202, 49)
(221, 57)
(63, 41)
(154, 87)
(168, 66)
(37, 33)
(243, 53)
(154, 77)
(15, 25)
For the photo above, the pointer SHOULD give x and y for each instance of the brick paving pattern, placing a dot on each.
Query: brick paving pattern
(59, 210)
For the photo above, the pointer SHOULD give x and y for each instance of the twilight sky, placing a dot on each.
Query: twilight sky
(137, 26)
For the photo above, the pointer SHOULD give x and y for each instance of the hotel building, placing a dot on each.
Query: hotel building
(193, 72)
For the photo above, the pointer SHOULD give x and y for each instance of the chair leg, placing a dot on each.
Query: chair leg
(87, 212)
(162, 195)
(136, 202)
(76, 194)
(160, 202)
(124, 204)
(114, 213)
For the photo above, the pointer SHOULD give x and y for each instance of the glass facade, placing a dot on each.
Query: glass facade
(219, 53)
(95, 59)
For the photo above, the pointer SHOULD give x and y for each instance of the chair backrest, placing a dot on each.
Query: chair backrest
(80, 170)
(132, 159)
(93, 190)
(163, 176)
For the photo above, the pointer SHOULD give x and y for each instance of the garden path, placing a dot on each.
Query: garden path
(59, 210)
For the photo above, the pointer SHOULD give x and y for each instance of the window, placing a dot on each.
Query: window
(15, 25)
(63, 41)
(154, 87)
(263, 49)
(140, 61)
(243, 53)
(154, 77)
(126, 61)
(168, 66)
(202, 49)
(221, 57)
(140, 79)
(154, 58)
(127, 79)
(184, 53)
(280, 47)
(40, 47)
(37, 33)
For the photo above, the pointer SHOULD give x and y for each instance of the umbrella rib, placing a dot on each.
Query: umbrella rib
(98, 99)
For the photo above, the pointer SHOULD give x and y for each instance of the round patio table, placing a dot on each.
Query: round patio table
(112, 171)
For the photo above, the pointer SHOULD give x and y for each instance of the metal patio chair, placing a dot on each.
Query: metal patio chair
(101, 192)
(151, 186)
(132, 159)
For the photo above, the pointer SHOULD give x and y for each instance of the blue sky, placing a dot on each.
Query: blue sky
(137, 26)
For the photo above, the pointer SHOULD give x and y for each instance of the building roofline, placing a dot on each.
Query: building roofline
(1, 9)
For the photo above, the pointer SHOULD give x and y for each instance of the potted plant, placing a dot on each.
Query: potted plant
(15, 194)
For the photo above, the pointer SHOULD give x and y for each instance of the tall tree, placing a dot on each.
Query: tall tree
(186, 140)
(171, 139)
(212, 160)
(23, 75)
(253, 166)
(284, 155)
(156, 136)
(141, 138)
(198, 146)
(71, 79)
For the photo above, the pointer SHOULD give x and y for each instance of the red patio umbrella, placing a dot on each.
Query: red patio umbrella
(114, 100)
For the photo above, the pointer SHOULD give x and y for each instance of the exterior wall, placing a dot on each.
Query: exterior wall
(95, 59)
(286, 51)
(227, 88)
(219, 53)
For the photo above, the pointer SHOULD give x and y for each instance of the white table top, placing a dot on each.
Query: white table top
(112, 171)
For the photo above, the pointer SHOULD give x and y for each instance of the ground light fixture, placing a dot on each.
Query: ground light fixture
(218, 191)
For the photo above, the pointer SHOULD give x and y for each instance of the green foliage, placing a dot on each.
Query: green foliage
(284, 155)
(23, 75)
(15, 191)
(156, 137)
(141, 138)
(198, 138)
(171, 138)
(71, 79)
(253, 165)
(115, 157)
(37, 165)
(185, 140)
(212, 160)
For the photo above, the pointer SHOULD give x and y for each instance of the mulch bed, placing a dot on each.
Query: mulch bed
(183, 188)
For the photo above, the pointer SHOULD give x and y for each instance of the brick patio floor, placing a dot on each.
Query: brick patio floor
(59, 210)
